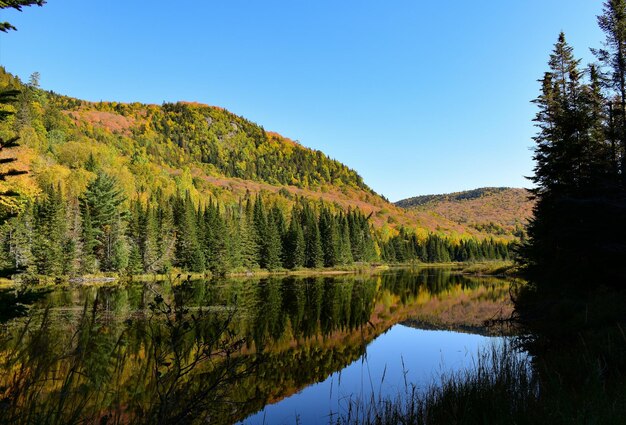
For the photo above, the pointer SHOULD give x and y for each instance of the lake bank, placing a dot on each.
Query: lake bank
(481, 268)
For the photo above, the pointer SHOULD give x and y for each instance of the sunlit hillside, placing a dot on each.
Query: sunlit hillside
(208, 152)
(499, 211)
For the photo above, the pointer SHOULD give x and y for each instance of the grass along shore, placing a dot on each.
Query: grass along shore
(482, 268)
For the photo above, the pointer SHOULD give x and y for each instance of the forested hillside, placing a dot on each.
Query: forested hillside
(499, 211)
(135, 188)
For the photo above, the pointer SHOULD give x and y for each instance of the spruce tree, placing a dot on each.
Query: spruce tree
(314, 256)
(88, 259)
(50, 233)
(294, 243)
(189, 254)
(329, 237)
(103, 199)
(613, 59)
(345, 250)
(216, 242)
(273, 245)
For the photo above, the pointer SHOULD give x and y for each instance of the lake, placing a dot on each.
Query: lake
(258, 350)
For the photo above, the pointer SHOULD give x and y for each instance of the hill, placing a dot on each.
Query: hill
(172, 147)
(500, 211)
(137, 188)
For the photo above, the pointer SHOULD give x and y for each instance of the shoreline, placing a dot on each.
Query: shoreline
(478, 269)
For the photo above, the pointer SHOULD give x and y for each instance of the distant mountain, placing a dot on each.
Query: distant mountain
(498, 211)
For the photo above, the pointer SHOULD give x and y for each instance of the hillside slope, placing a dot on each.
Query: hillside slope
(171, 148)
(500, 211)
(185, 146)
(136, 188)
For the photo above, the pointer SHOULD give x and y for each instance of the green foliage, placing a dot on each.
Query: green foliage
(406, 247)
(102, 201)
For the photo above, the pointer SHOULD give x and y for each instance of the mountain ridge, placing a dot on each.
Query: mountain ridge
(494, 210)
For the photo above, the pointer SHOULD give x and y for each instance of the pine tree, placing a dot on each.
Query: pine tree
(103, 199)
(329, 238)
(189, 254)
(259, 220)
(314, 256)
(613, 58)
(248, 246)
(294, 243)
(345, 250)
(166, 240)
(576, 226)
(216, 243)
(88, 259)
(49, 238)
(17, 243)
(273, 246)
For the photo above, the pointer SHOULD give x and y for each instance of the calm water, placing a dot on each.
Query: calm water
(394, 361)
(275, 350)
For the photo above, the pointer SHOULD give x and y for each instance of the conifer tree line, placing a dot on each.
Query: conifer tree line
(578, 234)
(407, 247)
(101, 231)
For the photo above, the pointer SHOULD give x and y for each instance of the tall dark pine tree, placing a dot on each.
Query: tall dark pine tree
(613, 59)
(294, 243)
(576, 226)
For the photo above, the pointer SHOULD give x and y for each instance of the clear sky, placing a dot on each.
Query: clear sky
(418, 96)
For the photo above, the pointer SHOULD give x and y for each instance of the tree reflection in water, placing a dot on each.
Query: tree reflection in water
(164, 365)
(207, 351)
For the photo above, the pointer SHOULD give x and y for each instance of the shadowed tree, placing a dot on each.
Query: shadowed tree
(17, 5)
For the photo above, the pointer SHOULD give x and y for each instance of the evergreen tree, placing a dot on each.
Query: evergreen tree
(329, 237)
(345, 250)
(50, 235)
(259, 220)
(17, 5)
(17, 242)
(294, 243)
(576, 227)
(216, 243)
(88, 260)
(103, 199)
(189, 254)
(166, 238)
(273, 245)
(314, 256)
(613, 58)
(246, 239)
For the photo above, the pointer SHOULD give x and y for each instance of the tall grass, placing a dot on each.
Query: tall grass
(499, 388)
(575, 375)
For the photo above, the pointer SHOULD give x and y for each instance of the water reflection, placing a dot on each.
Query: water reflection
(211, 351)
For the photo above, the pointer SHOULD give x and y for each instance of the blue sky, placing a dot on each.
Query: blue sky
(418, 96)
